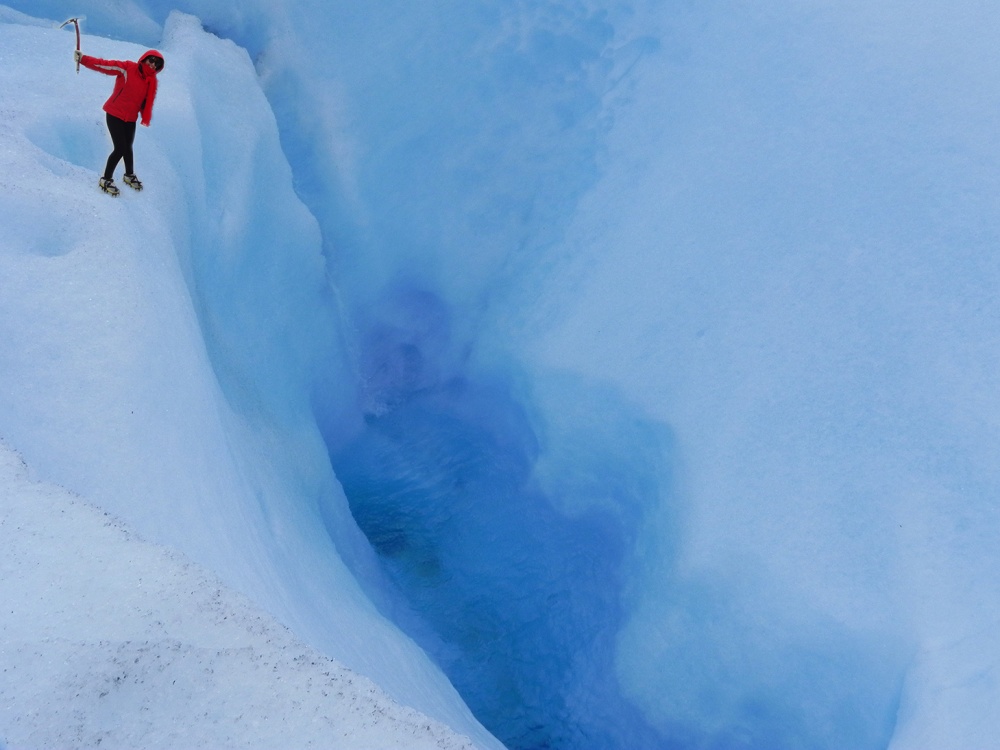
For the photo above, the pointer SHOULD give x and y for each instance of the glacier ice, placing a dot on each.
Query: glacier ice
(124, 378)
(512, 567)
(684, 315)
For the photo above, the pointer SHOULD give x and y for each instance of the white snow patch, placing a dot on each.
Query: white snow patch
(107, 640)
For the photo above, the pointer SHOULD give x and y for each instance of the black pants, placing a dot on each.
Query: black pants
(122, 136)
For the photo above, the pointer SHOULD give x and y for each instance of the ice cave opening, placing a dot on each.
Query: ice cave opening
(517, 520)
(512, 579)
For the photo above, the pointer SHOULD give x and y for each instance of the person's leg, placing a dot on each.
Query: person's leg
(129, 139)
(122, 136)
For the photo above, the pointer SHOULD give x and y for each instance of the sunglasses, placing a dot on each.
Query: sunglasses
(155, 62)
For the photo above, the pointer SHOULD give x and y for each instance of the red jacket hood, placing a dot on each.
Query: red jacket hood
(152, 53)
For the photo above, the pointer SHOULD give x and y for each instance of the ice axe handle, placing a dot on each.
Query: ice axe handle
(76, 24)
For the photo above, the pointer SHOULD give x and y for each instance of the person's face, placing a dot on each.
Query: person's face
(151, 64)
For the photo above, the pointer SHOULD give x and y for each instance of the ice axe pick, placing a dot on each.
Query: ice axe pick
(76, 25)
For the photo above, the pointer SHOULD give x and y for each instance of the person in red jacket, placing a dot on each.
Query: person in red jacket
(132, 99)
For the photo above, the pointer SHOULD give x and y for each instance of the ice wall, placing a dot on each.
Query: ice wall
(790, 260)
(160, 350)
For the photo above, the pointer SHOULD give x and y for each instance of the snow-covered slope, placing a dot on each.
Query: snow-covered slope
(158, 348)
(110, 641)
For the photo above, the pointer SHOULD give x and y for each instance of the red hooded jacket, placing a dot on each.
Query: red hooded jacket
(135, 87)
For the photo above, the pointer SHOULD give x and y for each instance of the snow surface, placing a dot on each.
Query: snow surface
(654, 346)
(113, 642)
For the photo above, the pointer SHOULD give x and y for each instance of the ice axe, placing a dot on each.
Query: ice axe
(76, 24)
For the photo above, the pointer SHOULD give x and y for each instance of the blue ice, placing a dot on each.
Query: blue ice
(512, 538)
(516, 594)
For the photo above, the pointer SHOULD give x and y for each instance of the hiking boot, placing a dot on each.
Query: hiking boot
(108, 186)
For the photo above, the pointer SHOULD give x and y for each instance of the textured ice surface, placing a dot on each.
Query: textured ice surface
(109, 641)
